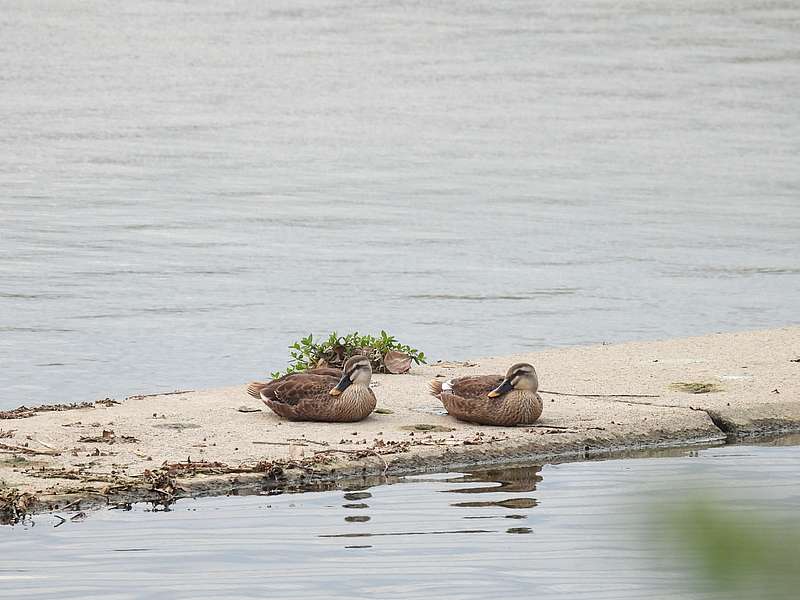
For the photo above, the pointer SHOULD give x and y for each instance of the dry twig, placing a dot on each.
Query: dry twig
(601, 395)
(308, 441)
(140, 396)
(277, 443)
(24, 450)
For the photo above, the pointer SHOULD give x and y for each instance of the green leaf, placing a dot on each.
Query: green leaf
(306, 353)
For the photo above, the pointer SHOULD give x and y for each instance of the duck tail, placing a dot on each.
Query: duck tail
(435, 387)
(254, 389)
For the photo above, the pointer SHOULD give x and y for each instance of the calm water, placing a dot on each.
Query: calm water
(581, 530)
(187, 187)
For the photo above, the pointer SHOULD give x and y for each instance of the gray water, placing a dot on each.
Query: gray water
(187, 187)
(580, 530)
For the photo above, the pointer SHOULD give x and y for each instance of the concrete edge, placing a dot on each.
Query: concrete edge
(164, 489)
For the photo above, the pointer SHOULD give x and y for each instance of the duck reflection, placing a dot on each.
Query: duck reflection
(517, 479)
(518, 530)
(505, 481)
(510, 503)
(357, 519)
(492, 488)
(356, 495)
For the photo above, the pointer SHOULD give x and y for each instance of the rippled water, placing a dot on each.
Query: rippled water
(577, 530)
(187, 187)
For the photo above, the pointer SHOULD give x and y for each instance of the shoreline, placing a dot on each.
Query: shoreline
(162, 447)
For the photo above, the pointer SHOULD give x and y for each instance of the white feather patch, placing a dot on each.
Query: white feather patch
(447, 386)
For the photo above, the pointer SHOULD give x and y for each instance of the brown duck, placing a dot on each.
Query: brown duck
(493, 399)
(255, 387)
(323, 394)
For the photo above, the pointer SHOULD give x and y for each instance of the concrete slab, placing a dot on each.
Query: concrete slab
(607, 397)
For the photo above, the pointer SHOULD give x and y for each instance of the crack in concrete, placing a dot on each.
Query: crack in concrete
(724, 424)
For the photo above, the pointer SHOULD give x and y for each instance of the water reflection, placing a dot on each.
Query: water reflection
(504, 480)
(675, 141)
(491, 488)
(510, 503)
(509, 479)
(396, 533)
(357, 519)
(581, 531)
(357, 495)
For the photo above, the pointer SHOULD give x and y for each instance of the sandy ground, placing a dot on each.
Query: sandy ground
(163, 446)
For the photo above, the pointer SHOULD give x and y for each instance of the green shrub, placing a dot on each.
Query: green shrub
(334, 351)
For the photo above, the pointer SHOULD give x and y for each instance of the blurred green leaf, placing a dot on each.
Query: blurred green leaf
(742, 555)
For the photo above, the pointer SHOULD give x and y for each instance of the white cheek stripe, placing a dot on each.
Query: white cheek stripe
(447, 386)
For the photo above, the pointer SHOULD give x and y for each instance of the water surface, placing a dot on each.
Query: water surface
(577, 530)
(187, 187)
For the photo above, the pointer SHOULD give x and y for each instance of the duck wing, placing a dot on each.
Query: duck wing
(472, 387)
(329, 371)
(295, 388)
(466, 398)
(255, 388)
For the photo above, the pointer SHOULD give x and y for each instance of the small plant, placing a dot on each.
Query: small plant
(385, 353)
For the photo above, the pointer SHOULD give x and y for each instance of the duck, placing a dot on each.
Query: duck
(493, 399)
(322, 394)
(254, 387)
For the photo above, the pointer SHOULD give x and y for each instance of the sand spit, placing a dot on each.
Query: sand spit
(609, 397)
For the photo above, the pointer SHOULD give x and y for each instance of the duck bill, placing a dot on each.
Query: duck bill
(343, 384)
(501, 389)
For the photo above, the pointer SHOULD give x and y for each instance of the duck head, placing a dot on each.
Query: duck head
(520, 376)
(357, 371)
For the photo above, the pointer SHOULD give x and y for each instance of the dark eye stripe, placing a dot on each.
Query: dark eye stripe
(356, 368)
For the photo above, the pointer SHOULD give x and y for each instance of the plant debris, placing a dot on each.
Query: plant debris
(426, 427)
(397, 362)
(24, 412)
(383, 411)
(164, 484)
(14, 506)
(175, 393)
(25, 450)
(358, 454)
(108, 437)
(695, 387)
(177, 426)
(451, 364)
(600, 395)
(308, 441)
(265, 443)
